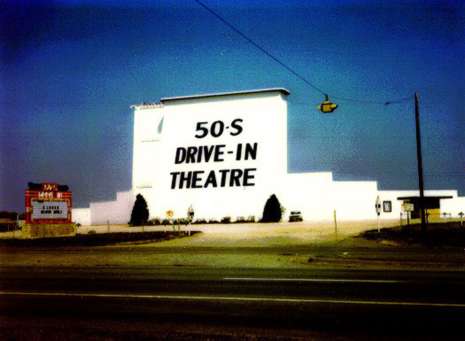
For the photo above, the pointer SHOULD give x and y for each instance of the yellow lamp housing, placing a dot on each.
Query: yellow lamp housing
(327, 106)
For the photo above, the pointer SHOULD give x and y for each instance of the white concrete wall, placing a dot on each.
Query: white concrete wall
(148, 127)
(114, 212)
(453, 206)
(354, 200)
(309, 193)
(396, 204)
(81, 216)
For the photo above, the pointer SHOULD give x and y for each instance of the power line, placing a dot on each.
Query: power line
(400, 100)
(287, 67)
(243, 35)
(367, 101)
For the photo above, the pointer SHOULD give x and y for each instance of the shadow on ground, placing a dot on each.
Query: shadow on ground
(437, 234)
(97, 239)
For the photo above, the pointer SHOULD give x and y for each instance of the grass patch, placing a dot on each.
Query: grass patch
(97, 239)
(437, 234)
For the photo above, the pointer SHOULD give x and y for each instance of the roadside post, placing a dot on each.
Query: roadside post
(17, 223)
(190, 218)
(335, 223)
(461, 214)
(378, 211)
(407, 207)
(15, 227)
(169, 216)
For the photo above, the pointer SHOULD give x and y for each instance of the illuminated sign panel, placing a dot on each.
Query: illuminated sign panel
(49, 209)
(48, 203)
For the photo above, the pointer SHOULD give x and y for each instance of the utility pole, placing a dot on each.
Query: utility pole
(420, 166)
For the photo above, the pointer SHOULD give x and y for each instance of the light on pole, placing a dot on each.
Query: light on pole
(327, 107)
(420, 165)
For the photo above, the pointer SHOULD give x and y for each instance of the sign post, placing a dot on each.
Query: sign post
(169, 216)
(190, 218)
(335, 223)
(408, 207)
(378, 211)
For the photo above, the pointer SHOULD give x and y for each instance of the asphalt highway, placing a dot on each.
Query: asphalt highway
(186, 302)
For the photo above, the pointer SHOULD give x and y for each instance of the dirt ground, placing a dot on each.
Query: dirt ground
(254, 235)
(283, 245)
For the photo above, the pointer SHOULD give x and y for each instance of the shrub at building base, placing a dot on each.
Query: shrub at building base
(140, 212)
(272, 211)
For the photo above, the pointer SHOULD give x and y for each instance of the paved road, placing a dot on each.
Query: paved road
(184, 302)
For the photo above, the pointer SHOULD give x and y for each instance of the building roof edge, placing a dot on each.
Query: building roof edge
(219, 94)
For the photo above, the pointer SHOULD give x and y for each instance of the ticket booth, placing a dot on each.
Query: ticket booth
(431, 205)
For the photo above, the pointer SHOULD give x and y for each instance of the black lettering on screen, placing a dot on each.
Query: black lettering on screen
(215, 178)
(215, 153)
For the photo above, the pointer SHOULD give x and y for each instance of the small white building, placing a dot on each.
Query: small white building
(224, 154)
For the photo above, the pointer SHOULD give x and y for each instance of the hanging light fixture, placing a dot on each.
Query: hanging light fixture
(327, 106)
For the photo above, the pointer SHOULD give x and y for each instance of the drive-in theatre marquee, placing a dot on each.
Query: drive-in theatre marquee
(48, 203)
(222, 153)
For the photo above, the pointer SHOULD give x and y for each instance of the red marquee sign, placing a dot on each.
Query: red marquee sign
(48, 203)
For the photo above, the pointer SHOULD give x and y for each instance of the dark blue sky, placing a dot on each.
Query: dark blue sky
(70, 70)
